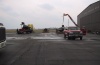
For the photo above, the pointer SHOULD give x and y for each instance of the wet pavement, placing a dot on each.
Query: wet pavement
(50, 49)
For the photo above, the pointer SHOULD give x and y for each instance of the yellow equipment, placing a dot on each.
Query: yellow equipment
(31, 26)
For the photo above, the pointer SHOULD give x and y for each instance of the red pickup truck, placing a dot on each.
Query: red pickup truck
(73, 33)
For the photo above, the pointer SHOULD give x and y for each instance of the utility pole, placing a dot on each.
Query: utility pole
(68, 22)
(63, 20)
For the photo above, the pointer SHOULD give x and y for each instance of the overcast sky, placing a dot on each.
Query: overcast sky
(40, 13)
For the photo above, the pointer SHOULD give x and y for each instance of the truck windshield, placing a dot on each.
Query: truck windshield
(73, 28)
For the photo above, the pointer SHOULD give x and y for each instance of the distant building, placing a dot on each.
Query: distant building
(90, 17)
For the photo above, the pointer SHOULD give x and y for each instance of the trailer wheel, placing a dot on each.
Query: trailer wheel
(17, 31)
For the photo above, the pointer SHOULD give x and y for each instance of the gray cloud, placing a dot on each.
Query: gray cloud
(47, 6)
(1, 0)
(8, 10)
(5, 8)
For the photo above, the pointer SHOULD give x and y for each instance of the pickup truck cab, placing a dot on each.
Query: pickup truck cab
(73, 33)
(2, 36)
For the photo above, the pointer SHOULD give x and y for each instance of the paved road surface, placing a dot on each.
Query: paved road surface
(50, 49)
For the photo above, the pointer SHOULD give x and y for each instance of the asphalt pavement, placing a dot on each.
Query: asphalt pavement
(50, 49)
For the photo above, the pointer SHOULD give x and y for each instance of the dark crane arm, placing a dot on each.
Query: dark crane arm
(70, 19)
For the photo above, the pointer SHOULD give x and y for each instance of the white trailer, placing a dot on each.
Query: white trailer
(2, 36)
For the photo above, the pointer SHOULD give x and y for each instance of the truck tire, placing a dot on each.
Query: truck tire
(64, 36)
(80, 38)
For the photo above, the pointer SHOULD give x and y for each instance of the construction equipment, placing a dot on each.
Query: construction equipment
(73, 32)
(60, 30)
(25, 29)
(45, 30)
(82, 29)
